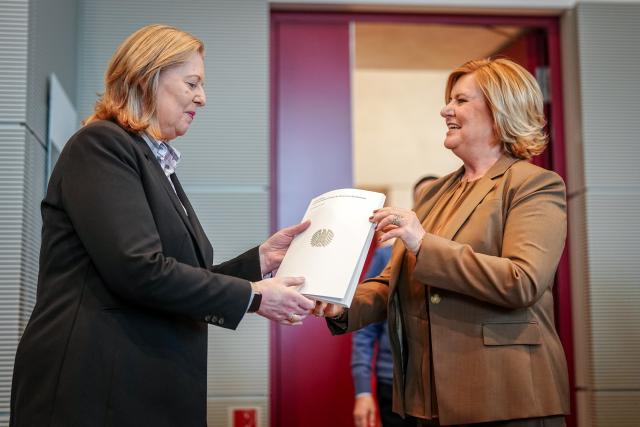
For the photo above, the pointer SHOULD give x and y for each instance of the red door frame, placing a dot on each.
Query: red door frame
(551, 26)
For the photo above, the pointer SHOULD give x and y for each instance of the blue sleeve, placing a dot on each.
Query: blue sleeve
(364, 340)
(363, 343)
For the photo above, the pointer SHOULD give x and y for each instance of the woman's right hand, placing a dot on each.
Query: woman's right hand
(401, 223)
(281, 300)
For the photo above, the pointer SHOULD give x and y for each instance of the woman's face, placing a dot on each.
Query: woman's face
(468, 119)
(180, 93)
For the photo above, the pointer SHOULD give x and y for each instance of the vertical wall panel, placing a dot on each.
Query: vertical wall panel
(14, 22)
(52, 48)
(614, 233)
(224, 167)
(33, 192)
(13, 89)
(609, 60)
(609, 57)
(12, 154)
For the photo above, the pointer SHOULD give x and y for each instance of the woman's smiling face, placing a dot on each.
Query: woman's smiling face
(468, 117)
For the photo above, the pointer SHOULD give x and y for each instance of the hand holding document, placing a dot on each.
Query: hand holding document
(331, 253)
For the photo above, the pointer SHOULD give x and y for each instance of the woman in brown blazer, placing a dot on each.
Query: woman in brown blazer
(468, 290)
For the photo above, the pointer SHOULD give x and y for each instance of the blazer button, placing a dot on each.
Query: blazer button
(435, 299)
(221, 321)
(207, 318)
(214, 319)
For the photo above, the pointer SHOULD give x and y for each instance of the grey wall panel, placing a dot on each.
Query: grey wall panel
(233, 221)
(234, 371)
(617, 409)
(14, 24)
(12, 172)
(52, 49)
(614, 233)
(227, 144)
(13, 89)
(34, 183)
(609, 60)
(22, 161)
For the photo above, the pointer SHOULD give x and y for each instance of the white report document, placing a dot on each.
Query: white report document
(330, 254)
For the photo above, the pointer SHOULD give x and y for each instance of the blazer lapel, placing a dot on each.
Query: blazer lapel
(175, 201)
(199, 235)
(478, 193)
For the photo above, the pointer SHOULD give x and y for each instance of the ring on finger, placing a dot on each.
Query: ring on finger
(396, 220)
(292, 318)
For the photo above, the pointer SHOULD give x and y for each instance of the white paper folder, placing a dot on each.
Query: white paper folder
(331, 253)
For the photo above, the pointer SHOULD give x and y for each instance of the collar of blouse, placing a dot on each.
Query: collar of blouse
(167, 156)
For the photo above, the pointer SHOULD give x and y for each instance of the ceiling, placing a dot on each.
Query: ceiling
(426, 46)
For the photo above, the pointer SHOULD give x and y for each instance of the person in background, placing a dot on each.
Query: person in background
(362, 352)
(127, 289)
(468, 290)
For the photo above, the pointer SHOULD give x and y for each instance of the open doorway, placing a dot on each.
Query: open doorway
(398, 79)
(355, 102)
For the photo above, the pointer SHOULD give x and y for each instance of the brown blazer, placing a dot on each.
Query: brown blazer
(488, 282)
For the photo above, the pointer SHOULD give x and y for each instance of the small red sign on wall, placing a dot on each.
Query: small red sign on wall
(244, 417)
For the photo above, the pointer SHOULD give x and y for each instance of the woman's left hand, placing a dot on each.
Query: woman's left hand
(400, 223)
(272, 251)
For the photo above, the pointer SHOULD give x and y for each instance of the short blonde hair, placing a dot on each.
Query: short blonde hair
(131, 79)
(515, 101)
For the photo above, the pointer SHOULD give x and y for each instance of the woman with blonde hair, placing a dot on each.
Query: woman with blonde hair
(468, 290)
(127, 289)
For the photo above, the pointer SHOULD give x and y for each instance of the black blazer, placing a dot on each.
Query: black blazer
(118, 336)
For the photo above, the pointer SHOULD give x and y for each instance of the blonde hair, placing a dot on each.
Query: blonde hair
(131, 79)
(515, 101)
